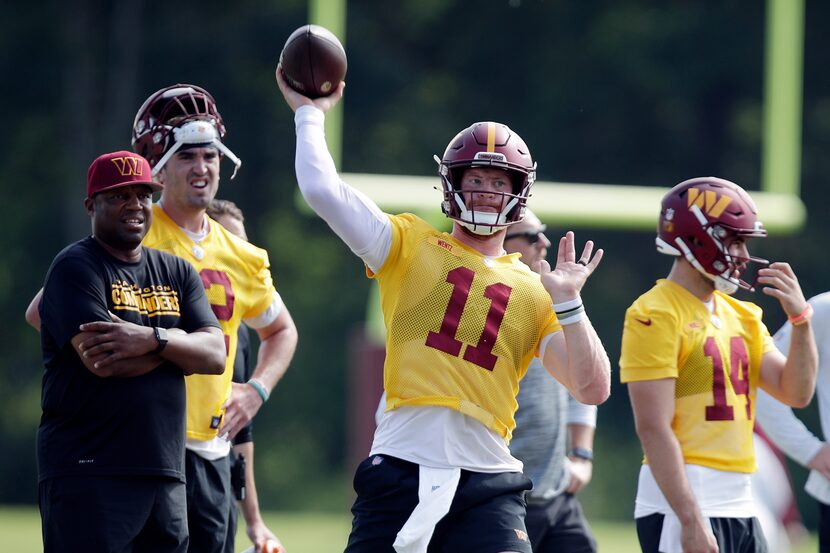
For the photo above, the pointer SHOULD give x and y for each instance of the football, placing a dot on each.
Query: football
(313, 61)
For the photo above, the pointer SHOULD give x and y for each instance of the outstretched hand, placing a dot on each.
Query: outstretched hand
(780, 282)
(294, 99)
(565, 281)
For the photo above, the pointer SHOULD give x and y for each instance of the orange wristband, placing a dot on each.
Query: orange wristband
(802, 317)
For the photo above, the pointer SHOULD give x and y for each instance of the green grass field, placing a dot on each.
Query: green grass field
(307, 532)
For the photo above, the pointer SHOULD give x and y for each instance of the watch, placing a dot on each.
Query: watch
(161, 338)
(581, 453)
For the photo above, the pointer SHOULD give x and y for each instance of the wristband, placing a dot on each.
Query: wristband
(260, 389)
(560, 308)
(802, 317)
(569, 312)
(581, 453)
(573, 316)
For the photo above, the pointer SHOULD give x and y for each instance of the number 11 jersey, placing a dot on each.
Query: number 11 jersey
(461, 328)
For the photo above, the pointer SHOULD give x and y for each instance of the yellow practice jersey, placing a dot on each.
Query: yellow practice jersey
(237, 279)
(715, 359)
(461, 328)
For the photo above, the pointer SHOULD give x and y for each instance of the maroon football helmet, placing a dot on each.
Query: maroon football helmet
(699, 218)
(174, 117)
(486, 144)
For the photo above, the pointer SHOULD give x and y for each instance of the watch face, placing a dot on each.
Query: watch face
(161, 337)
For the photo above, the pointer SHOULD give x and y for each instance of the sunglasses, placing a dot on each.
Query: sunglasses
(531, 236)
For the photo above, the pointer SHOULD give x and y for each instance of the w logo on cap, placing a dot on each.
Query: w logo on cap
(708, 201)
(116, 169)
(128, 166)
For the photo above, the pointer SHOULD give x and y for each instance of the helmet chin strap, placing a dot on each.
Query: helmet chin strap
(480, 229)
(481, 222)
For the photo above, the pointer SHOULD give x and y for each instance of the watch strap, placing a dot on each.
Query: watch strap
(581, 453)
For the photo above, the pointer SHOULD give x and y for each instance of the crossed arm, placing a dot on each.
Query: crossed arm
(122, 349)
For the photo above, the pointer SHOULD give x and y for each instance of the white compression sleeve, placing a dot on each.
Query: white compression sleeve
(352, 215)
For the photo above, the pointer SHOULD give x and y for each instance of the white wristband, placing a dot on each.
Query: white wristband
(569, 312)
(567, 305)
(574, 316)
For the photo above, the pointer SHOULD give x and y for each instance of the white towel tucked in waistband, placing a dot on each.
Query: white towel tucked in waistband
(436, 490)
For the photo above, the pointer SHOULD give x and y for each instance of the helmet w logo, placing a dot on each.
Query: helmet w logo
(708, 201)
(128, 166)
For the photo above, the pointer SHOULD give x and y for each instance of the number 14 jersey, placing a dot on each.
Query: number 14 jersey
(461, 328)
(715, 358)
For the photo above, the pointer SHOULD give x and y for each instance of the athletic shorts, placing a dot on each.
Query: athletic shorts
(486, 515)
(92, 514)
(209, 500)
(734, 535)
(823, 527)
(558, 525)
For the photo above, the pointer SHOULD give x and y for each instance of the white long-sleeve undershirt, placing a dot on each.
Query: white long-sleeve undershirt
(780, 422)
(352, 215)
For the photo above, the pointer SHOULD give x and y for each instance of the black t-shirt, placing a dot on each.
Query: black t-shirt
(242, 370)
(127, 426)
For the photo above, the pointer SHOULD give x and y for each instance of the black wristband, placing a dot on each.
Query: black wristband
(581, 453)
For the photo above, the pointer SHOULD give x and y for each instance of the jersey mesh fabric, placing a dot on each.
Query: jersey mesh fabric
(461, 328)
(237, 279)
(715, 359)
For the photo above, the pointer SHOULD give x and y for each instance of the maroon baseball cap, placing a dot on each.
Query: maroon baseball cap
(118, 169)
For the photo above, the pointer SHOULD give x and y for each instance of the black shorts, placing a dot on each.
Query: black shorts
(142, 514)
(209, 500)
(233, 514)
(823, 527)
(558, 524)
(486, 516)
(734, 535)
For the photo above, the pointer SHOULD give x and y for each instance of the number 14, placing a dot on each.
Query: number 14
(738, 375)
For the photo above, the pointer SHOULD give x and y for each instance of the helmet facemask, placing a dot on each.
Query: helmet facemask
(486, 145)
(722, 267)
(461, 205)
(699, 220)
(196, 133)
(175, 118)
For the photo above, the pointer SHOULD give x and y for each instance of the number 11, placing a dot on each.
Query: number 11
(444, 340)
